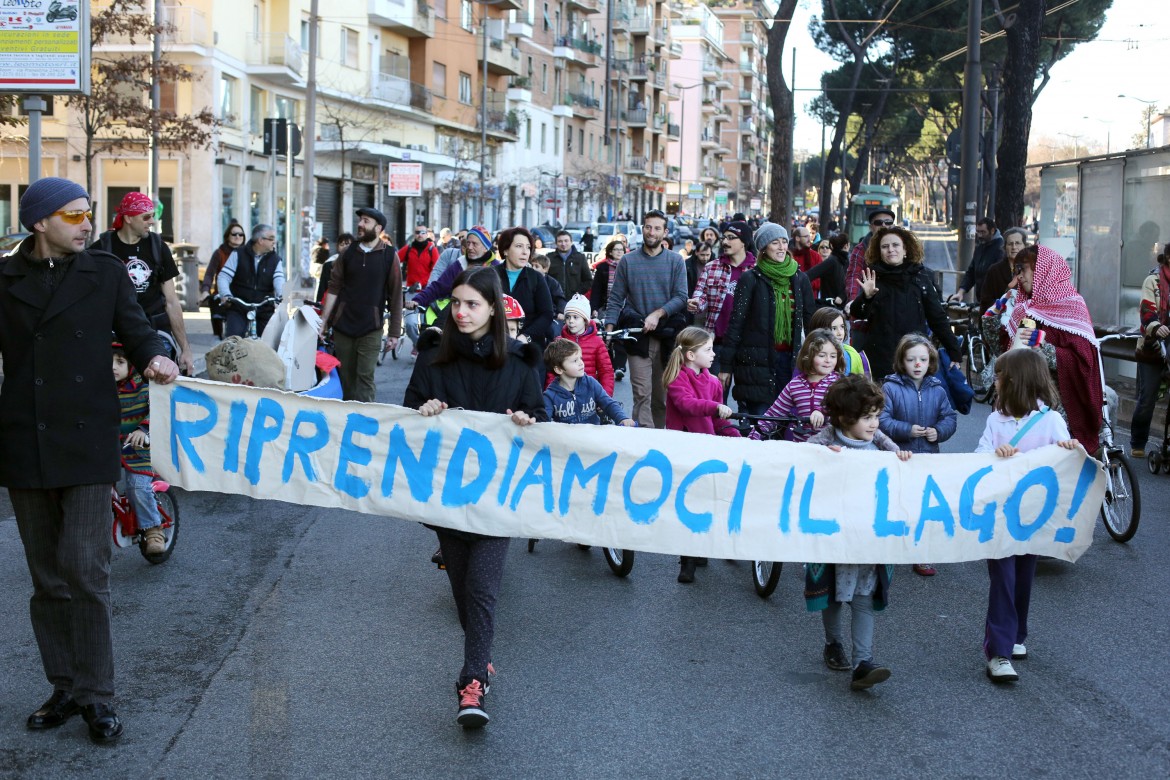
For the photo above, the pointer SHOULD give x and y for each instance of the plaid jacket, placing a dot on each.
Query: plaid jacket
(711, 289)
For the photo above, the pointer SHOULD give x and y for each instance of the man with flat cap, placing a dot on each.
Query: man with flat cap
(60, 307)
(366, 280)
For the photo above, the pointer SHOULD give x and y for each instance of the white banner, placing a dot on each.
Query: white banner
(632, 488)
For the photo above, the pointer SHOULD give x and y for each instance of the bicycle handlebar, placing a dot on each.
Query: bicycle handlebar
(623, 334)
(229, 300)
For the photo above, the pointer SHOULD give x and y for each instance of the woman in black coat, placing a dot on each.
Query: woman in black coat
(475, 366)
(751, 354)
(897, 297)
(525, 284)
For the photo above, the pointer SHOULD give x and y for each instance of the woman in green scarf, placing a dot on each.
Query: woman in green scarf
(773, 305)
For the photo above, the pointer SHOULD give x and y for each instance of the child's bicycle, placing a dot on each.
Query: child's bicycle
(766, 574)
(1122, 508)
(625, 334)
(965, 319)
(126, 531)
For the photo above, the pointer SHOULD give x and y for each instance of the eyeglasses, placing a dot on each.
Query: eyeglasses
(265, 238)
(881, 222)
(420, 232)
(236, 235)
(73, 217)
(730, 237)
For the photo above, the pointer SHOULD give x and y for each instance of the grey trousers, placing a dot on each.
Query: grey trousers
(67, 543)
(861, 626)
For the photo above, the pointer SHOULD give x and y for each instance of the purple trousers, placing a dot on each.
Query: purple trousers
(1008, 596)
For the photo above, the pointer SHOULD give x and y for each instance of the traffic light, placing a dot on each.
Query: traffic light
(276, 138)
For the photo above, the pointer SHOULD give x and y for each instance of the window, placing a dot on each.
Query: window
(466, 15)
(543, 137)
(286, 108)
(349, 47)
(581, 143)
(227, 98)
(569, 140)
(304, 34)
(440, 7)
(168, 97)
(547, 21)
(439, 79)
(465, 88)
(591, 157)
(556, 137)
(256, 21)
(544, 77)
(255, 110)
(527, 133)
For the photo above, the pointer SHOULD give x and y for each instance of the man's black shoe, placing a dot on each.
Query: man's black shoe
(59, 708)
(103, 722)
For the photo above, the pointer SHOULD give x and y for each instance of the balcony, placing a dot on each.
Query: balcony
(748, 37)
(746, 66)
(634, 117)
(745, 96)
(520, 89)
(621, 19)
(636, 166)
(563, 110)
(639, 70)
(708, 106)
(675, 51)
(708, 140)
(275, 56)
(503, 58)
(712, 71)
(584, 106)
(413, 19)
(577, 52)
(658, 169)
(641, 21)
(673, 172)
(500, 123)
(673, 93)
(619, 69)
(509, 5)
(659, 123)
(747, 126)
(584, 7)
(521, 27)
(660, 78)
(190, 26)
(722, 114)
(723, 80)
(391, 88)
(672, 131)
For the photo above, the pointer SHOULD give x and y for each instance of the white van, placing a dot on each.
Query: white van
(630, 229)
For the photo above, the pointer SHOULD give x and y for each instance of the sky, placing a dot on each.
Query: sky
(1081, 101)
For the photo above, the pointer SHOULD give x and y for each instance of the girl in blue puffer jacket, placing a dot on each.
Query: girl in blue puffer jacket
(917, 414)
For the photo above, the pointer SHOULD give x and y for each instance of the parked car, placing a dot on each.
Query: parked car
(10, 242)
(546, 234)
(678, 232)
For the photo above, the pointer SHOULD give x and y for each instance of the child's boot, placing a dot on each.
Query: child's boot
(686, 569)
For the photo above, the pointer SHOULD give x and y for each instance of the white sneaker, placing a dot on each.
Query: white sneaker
(1019, 652)
(1000, 669)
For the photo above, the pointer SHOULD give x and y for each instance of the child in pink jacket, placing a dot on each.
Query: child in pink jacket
(694, 401)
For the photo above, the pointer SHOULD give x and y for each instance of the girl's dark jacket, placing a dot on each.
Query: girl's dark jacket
(468, 383)
(748, 346)
(906, 301)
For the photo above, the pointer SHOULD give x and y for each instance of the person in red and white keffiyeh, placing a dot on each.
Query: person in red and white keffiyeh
(1045, 294)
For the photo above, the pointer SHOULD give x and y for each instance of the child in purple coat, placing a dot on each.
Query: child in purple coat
(694, 400)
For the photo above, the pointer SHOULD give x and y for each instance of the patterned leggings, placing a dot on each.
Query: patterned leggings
(475, 568)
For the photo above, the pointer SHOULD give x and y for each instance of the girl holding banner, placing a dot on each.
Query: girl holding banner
(475, 366)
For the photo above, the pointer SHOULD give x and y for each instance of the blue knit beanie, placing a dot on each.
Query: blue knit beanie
(44, 196)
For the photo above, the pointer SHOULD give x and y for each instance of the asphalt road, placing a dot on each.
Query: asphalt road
(291, 641)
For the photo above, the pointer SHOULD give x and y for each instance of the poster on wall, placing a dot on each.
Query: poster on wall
(44, 46)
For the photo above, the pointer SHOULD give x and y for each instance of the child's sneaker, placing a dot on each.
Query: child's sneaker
(156, 540)
(472, 714)
(1019, 653)
(835, 657)
(1000, 670)
(925, 570)
(868, 674)
(619, 374)
(686, 570)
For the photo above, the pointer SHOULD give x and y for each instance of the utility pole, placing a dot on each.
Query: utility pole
(155, 103)
(969, 154)
(308, 179)
(483, 121)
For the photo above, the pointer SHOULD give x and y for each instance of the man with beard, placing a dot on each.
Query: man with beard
(252, 273)
(988, 251)
(418, 258)
(366, 280)
(715, 291)
(151, 267)
(650, 282)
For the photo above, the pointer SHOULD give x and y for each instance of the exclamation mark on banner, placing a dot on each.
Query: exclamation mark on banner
(1088, 473)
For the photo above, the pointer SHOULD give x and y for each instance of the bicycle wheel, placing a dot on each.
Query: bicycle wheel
(621, 562)
(765, 576)
(168, 507)
(1154, 461)
(977, 361)
(1122, 507)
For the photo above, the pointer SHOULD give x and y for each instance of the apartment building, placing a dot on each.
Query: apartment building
(575, 99)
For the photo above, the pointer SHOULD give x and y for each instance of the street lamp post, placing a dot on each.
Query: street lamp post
(1108, 132)
(1149, 113)
(1076, 142)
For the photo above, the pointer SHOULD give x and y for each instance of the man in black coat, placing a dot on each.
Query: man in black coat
(569, 267)
(988, 252)
(59, 426)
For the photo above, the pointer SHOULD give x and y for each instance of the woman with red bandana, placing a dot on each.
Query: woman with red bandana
(1063, 330)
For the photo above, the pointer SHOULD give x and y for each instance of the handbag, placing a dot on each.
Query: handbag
(956, 383)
